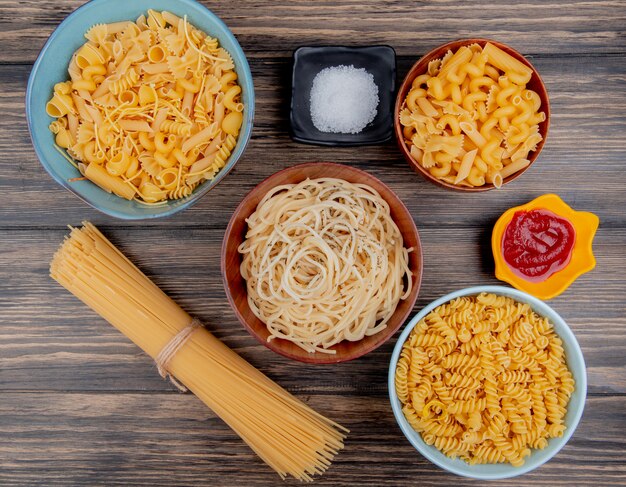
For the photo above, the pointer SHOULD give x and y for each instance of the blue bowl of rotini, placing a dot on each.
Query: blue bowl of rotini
(536, 457)
(51, 68)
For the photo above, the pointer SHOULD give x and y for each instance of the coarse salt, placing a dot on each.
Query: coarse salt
(344, 99)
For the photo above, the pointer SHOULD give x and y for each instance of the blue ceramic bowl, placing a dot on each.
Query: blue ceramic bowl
(51, 68)
(575, 362)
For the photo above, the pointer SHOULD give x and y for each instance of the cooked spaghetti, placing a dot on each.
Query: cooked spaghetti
(288, 435)
(324, 262)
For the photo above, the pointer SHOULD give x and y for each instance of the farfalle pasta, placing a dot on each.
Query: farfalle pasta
(152, 108)
(484, 379)
(470, 119)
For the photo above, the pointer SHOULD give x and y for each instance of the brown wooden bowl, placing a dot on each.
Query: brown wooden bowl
(420, 67)
(235, 285)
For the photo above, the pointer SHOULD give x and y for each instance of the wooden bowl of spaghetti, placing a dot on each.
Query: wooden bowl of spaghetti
(308, 271)
(538, 128)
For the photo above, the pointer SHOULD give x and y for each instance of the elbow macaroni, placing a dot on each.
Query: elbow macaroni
(147, 101)
(484, 378)
(480, 95)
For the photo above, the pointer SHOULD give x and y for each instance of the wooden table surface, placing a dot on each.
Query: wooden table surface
(80, 405)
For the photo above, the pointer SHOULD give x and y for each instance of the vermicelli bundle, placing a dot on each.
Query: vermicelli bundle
(287, 434)
(324, 262)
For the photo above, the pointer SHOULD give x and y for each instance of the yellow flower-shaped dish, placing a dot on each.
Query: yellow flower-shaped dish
(581, 260)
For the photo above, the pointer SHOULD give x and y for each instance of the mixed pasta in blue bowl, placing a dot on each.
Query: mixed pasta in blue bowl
(140, 108)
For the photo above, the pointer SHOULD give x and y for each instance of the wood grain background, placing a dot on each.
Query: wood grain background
(80, 405)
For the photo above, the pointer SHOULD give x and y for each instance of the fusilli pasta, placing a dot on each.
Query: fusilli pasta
(501, 389)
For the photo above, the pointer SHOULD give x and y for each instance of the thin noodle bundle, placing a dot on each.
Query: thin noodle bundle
(324, 262)
(288, 435)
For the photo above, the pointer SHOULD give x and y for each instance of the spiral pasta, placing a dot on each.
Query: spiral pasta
(500, 392)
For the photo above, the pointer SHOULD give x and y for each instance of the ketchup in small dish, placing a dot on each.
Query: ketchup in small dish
(541, 247)
(537, 243)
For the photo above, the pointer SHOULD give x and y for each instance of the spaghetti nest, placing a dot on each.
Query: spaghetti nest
(324, 262)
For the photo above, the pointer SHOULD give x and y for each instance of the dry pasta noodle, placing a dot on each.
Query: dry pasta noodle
(324, 262)
(484, 378)
(470, 120)
(145, 101)
(287, 434)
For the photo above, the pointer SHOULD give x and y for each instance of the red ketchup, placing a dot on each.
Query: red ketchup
(537, 243)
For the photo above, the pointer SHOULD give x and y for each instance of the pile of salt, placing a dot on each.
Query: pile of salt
(344, 99)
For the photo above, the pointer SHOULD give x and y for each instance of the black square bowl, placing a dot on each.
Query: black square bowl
(379, 61)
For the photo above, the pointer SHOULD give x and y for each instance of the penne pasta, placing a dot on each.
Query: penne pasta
(514, 167)
(201, 137)
(466, 164)
(135, 125)
(470, 130)
(110, 184)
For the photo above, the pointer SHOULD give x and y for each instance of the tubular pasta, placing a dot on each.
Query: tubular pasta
(466, 164)
(514, 167)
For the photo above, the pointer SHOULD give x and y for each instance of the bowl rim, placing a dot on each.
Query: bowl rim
(411, 75)
(319, 358)
(186, 202)
(388, 135)
(575, 361)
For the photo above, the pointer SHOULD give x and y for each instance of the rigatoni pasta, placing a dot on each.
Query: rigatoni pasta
(484, 379)
(145, 102)
(471, 120)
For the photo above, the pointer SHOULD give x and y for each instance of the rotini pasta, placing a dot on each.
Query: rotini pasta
(146, 102)
(493, 397)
